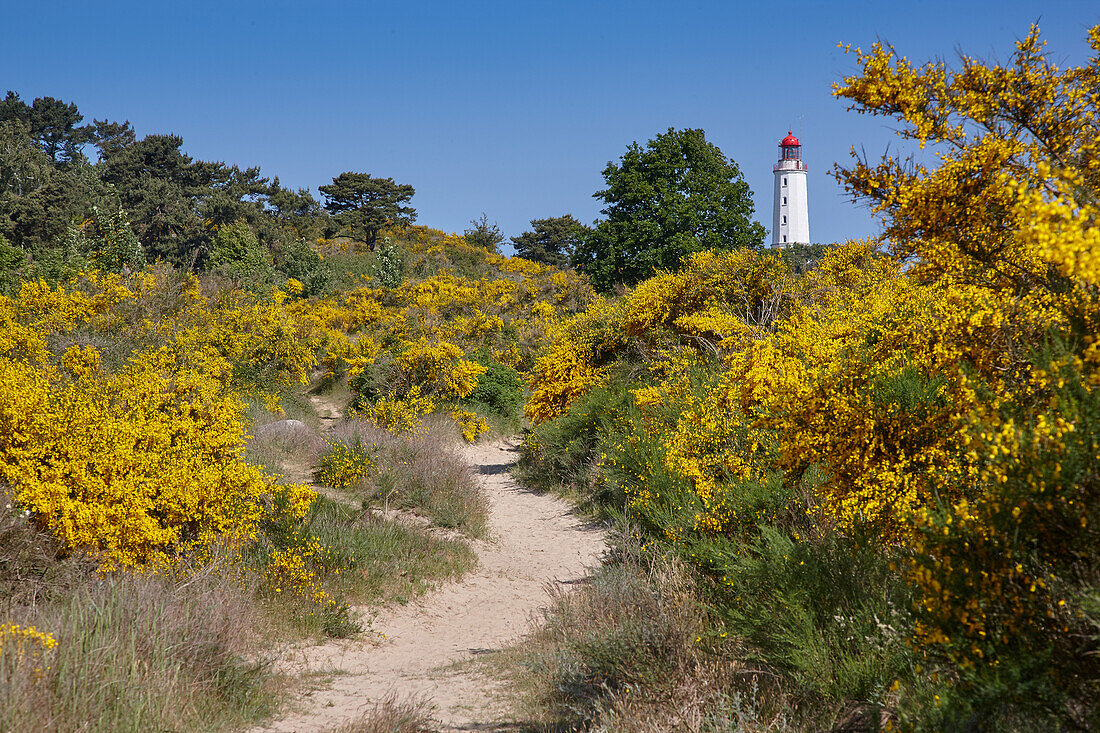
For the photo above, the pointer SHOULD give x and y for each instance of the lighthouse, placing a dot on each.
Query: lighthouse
(790, 213)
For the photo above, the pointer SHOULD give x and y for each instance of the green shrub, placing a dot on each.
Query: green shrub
(500, 389)
(238, 254)
(1025, 553)
(296, 259)
(563, 454)
(389, 268)
(826, 612)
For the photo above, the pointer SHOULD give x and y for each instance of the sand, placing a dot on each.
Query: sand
(535, 542)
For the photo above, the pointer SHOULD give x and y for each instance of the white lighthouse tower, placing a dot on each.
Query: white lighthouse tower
(790, 213)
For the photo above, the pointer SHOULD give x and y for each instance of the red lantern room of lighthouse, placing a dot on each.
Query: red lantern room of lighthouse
(791, 149)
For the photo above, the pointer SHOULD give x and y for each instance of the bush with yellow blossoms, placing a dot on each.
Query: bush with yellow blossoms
(418, 347)
(21, 647)
(293, 577)
(137, 464)
(343, 464)
(913, 420)
(1006, 226)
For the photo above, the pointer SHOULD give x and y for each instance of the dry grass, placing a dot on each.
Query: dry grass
(282, 446)
(135, 652)
(629, 652)
(33, 566)
(422, 473)
(392, 715)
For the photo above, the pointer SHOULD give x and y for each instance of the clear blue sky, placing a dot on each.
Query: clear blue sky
(511, 108)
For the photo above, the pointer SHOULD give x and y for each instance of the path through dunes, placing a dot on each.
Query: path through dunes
(534, 541)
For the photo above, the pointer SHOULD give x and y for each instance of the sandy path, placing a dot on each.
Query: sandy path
(535, 541)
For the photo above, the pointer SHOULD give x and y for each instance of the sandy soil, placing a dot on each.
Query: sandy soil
(535, 542)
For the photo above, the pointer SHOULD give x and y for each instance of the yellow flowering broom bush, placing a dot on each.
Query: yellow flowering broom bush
(135, 465)
(414, 349)
(929, 404)
(120, 403)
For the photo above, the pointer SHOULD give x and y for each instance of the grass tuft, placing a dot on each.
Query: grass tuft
(630, 651)
(138, 652)
(385, 561)
(393, 715)
(422, 473)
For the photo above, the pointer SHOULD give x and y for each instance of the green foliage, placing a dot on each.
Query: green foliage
(801, 258)
(163, 189)
(553, 240)
(109, 243)
(12, 261)
(54, 126)
(111, 137)
(676, 196)
(238, 254)
(10, 257)
(174, 205)
(483, 234)
(363, 204)
(562, 454)
(827, 611)
(1026, 555)
(39, 201)
(60, 263)
(500, 389)
(389, 267)
(297, 259)
(297, 209)
(351, 269)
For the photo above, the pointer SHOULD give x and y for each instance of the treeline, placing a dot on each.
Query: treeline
(59, 208)
(76, 195)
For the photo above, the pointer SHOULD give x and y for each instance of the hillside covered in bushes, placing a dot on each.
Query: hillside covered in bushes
(854, 487)
(131, 474)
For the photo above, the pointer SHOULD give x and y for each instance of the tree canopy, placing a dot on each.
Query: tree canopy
(142, 198)
(363, 204)
(54, 126)
(677, 195)
(484, 234)
(553, 240)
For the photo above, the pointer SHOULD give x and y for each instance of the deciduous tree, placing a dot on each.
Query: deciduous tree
(677, 195)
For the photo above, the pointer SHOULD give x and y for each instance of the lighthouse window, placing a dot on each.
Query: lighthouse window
(784, 238)
(784, 180)
(784, 216)
(784, 200)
